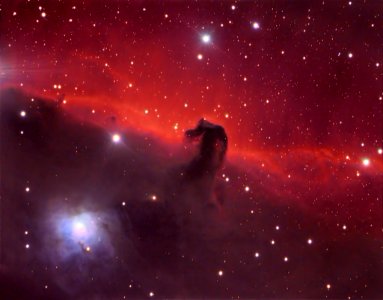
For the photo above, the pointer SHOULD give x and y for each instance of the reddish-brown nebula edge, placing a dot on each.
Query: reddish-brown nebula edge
(301, 103)
(298, 173)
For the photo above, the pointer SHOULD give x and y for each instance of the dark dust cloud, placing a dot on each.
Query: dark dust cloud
(139, 218)
(179, 149)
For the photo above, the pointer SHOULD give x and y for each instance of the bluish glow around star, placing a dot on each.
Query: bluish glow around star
(79, 233)
(83, 226)
(206, 38)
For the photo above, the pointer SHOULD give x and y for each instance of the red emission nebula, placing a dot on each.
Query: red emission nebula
(188, 149)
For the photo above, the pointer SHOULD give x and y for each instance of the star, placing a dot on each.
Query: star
(104, 178)
(366, 162)
(206, 38)
(79, 229)
(116, 138)
(256, 25)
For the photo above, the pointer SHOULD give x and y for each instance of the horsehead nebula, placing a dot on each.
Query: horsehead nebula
(159, 150)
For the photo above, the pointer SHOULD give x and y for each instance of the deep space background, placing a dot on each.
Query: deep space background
(97, 200)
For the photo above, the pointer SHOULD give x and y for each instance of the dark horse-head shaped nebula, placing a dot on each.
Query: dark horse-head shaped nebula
(213, 147)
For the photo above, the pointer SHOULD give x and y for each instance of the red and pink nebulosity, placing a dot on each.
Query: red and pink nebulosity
(296, 85)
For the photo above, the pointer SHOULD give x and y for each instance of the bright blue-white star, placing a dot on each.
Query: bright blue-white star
(78, 233)
(79, 229)
(82, 233)
(206, 38)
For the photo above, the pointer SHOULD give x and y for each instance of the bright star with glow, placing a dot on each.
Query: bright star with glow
(206, 38)
(116, 138)
(79, 229)
(81, 233)
(366, 162)
(256, 25)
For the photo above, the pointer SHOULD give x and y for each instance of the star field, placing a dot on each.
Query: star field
(99, 193)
